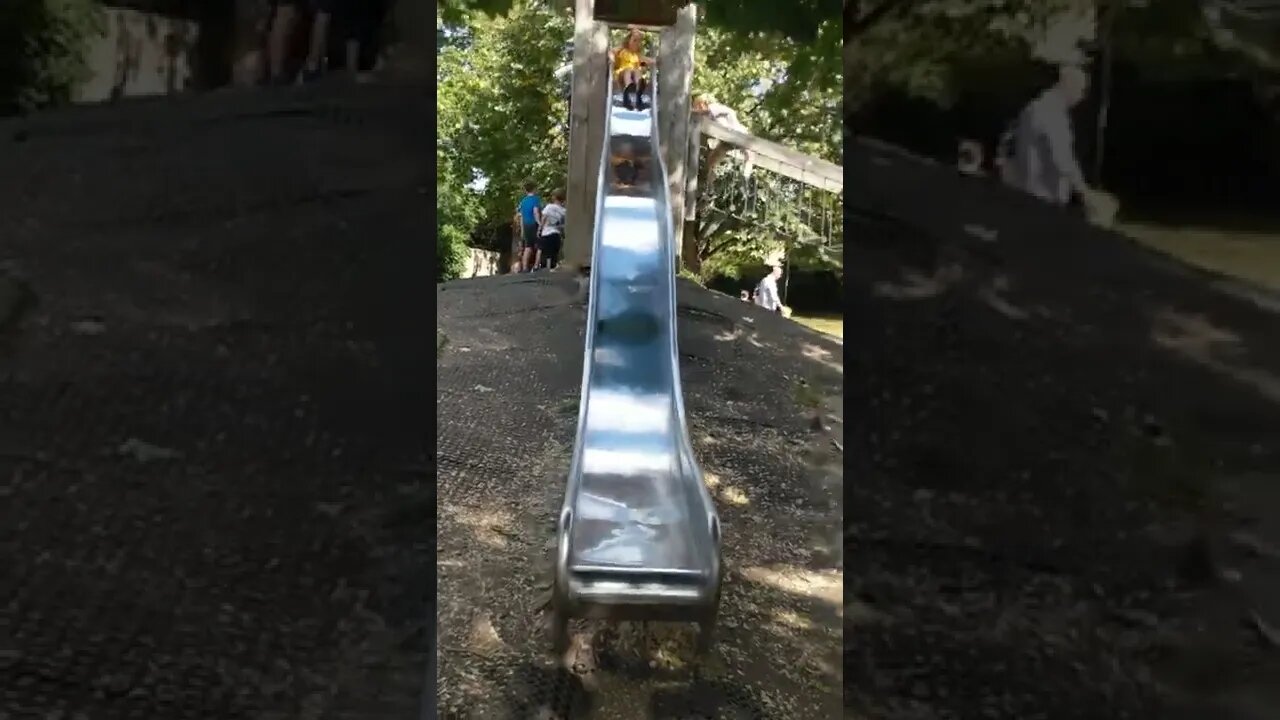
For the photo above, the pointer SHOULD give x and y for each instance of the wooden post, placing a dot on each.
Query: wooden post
(675, 81)
(689, 236)
(586, 131)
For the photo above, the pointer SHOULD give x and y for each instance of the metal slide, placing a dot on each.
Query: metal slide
(638, 533)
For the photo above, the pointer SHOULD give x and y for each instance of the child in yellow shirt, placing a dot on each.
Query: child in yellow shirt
(629, 62)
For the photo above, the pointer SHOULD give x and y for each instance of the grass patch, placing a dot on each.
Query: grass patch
(832, 325)
(1244, 254)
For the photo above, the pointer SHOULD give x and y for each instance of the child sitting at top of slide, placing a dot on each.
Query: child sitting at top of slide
(628, 70)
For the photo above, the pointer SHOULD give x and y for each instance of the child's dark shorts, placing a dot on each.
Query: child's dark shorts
(529, 236)
(550, 245)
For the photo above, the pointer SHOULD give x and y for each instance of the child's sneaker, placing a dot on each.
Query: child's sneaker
(628, 93)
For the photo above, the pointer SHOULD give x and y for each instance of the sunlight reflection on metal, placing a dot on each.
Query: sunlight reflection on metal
(621, 412)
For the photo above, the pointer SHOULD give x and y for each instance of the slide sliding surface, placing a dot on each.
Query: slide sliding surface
(639, 537)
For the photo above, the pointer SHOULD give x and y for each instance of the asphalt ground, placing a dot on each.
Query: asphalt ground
(214, 418)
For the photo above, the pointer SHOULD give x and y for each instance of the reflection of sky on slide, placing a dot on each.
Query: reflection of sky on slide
(625, 412)
(630, 223)
(635, 123)
(627, 432)
(617, 461)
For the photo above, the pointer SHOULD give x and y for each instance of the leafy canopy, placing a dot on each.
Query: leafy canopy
(42, 50)
(799, 21)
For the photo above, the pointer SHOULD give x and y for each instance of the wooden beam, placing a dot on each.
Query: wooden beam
(779, 158)
(675, 82)
(586, 132)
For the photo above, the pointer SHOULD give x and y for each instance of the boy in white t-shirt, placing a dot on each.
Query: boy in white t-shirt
(551, 232)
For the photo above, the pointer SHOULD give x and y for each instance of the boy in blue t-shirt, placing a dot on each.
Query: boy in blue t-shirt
(530, 211)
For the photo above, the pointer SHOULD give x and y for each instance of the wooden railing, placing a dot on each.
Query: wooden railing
(778, 158)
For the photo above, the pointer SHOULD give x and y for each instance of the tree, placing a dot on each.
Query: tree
(42, 50)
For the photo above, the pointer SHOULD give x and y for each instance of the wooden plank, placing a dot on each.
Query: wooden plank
(779, 158)
(586, 132)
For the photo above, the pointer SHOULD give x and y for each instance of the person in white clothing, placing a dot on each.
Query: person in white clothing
(726, 116)
(767, 290)
(551, 232)
(1043, 157)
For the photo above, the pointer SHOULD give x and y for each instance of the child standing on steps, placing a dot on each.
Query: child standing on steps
(628, 70)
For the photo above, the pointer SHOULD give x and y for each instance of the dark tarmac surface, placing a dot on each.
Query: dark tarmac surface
(509, 379)
(1045, 411)
(215, 490)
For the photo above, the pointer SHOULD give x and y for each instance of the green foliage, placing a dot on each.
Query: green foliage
(42, 50)
(685, 273)
(939, 45)
(457, 212)
(451, 252)
(799, 22)
(920, 52)
(782, 89)
(1171, 41)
